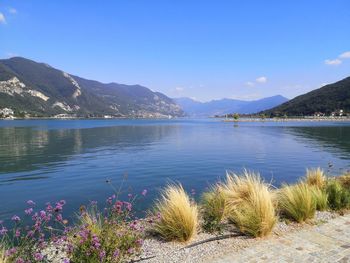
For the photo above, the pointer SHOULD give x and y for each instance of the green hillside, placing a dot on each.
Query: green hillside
(328, 99)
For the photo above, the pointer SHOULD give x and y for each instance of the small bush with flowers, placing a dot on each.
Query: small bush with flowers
(25, 243)
(108, 236)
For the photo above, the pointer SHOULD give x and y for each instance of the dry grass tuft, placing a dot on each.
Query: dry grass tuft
(315, 177)
(178, 216)
(321, 198)
(297, 202)
(3, 258)
(213, 208)
(345, 180)
(250, 204)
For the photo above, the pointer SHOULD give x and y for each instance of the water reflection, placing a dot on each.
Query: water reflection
(334, 139)
(27, 149)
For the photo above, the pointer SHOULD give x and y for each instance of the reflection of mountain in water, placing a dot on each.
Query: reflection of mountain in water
(334, 139)
(24, 149)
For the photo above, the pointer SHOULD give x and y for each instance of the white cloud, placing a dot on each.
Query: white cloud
(2, 18)
(194, 98)
(333, 62)
(345, 55)
(179, 89)
(250, 84)
(261, 80)
(11, 54)
(12, 11)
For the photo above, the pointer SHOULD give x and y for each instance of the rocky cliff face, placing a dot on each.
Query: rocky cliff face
(40, 90)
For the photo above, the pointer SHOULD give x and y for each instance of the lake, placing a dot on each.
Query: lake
(49, 160)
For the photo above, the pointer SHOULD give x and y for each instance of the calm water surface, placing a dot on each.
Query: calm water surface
(48, 160)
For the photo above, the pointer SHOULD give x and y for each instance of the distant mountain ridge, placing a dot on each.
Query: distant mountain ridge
(41, 90)
(325, 100)
(227, 106)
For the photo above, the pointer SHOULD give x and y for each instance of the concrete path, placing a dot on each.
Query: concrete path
(329, 242)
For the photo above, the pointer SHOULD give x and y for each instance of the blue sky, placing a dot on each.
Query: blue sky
(200, 49)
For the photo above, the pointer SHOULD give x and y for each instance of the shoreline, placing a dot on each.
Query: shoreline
(288, 120)
(330, 119)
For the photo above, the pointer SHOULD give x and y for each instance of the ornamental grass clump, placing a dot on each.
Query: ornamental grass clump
(316, 178)
(321, 198)
(297, 202)
(106, 237)
(178, 215)
(338, 195)
(213, 208)
(345, 180)
(250, 204)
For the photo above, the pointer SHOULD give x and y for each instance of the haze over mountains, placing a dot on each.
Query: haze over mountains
(225, 106)
(40, 90)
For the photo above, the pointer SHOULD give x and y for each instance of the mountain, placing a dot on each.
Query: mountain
(226, 106)
(327, 99)
(41, 90)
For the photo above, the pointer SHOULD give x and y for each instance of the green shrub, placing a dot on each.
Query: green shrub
(338, 196)
(178, 216)
(250, 204)
(213, 207)
(297, 202)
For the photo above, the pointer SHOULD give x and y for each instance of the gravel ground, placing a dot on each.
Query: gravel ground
(155, 250)
(159, 251)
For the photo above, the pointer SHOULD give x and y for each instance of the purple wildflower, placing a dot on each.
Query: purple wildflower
(118, 206)
(109, 200)
(59, 218)
(95, 242)
(31, 203)
(16, 218)
(128, 206)
(102, 255)
(38, 256)
(58, 207)
(49, 207)
(42, 214)
(19, 260)
(10, 252)
(116, 253)
(28, 211)
(144, 192)
(17, 233)
(3, 231)
(30, 233)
